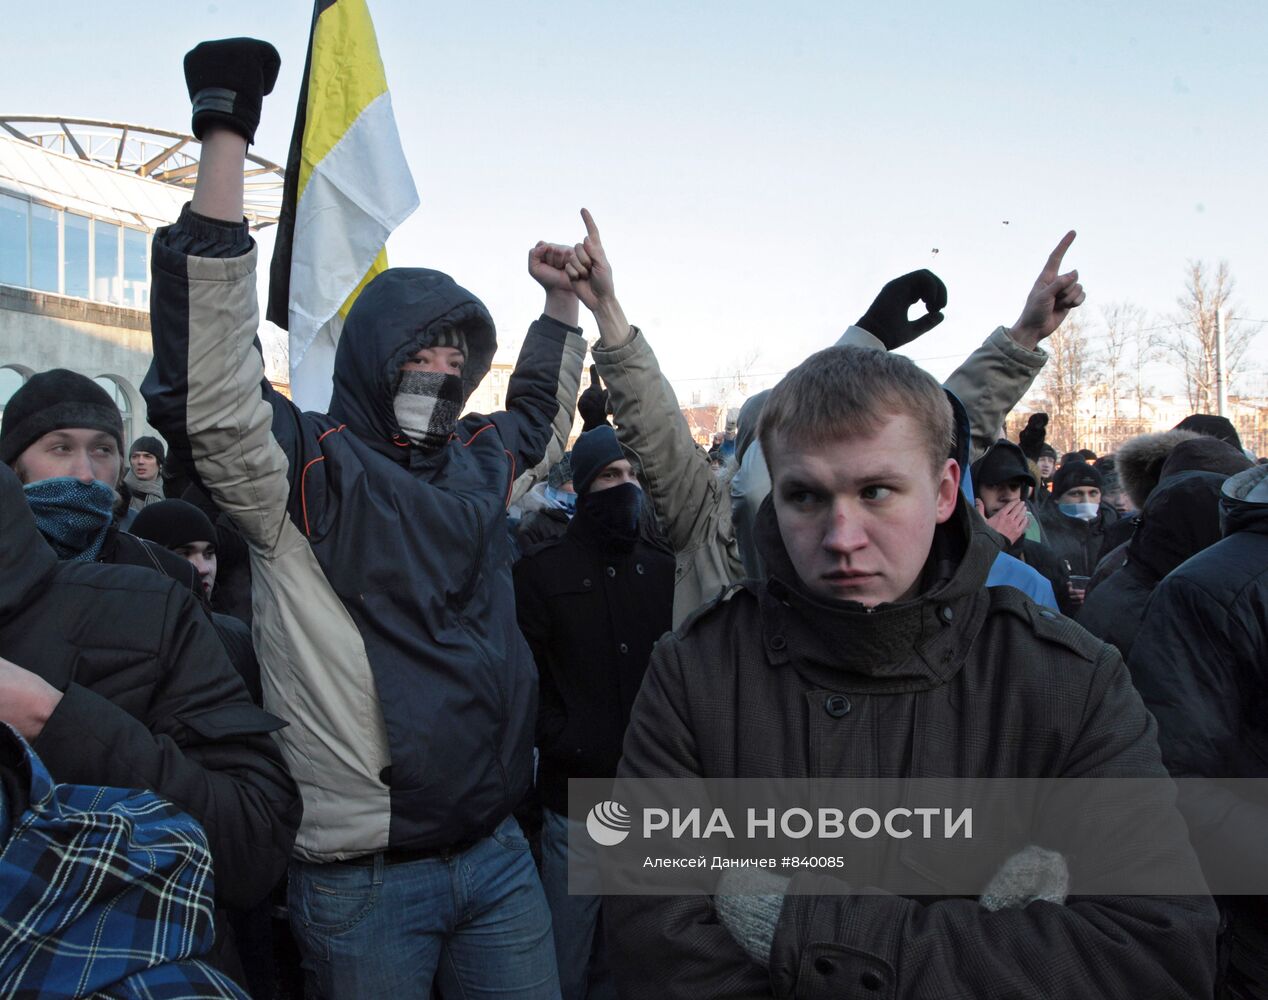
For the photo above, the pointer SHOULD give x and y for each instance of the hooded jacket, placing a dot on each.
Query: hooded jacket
(1180, 519)
(384, 614)
(1199, 662)
(961, 681)
(149, 699)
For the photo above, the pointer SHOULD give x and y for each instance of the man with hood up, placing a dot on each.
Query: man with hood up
(384, 609)
(1200, 662)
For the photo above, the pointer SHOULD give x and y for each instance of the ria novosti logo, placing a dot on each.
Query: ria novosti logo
(608, 823)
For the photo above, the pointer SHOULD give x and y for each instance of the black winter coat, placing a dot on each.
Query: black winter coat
(1075, 541)
(1201, 664)
(149, 699)
(591, 614)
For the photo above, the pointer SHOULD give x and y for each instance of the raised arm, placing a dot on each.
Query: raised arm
(690, 501)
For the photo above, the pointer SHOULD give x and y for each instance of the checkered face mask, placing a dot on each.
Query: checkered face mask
(426, 406)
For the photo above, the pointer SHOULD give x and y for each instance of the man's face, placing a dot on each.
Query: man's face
(615, 474)
(1120, 501)
(1080, 494)
(203, 557)
(75, 452)
(445, 360)
(1047, 466)
(144, 466)
(857, 515)
(995, 498)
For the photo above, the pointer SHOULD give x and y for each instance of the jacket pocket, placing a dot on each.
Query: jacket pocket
(230, 720)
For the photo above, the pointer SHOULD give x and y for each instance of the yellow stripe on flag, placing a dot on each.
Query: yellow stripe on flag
(345, 75)
(377, 268)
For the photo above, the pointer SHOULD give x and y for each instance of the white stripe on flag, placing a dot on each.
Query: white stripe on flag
(356, 196)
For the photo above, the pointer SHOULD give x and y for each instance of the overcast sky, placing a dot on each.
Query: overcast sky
(760, 170)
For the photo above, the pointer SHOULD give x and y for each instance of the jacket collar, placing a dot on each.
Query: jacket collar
(908, 646)
(26, 560)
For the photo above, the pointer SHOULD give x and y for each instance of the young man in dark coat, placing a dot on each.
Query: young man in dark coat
(1075, 522)
(1003, 483)
(871, 649)
(591, 604)
(115, 677)
(1200, 662)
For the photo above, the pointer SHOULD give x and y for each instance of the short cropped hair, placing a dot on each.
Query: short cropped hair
(849, 392)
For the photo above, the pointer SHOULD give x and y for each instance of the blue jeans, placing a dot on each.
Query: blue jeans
(476, 925)
(584, 973)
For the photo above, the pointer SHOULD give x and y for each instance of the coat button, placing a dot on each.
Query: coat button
(778, 642)
(638, 568)
(825, 966)
(623, 648)
(611, 571)
(946, 613)
(871, 981)
(586, 582)
(837, 705)
(1050, 615)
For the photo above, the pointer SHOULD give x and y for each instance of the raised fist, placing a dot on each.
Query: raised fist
(227, 81)
(886, 318)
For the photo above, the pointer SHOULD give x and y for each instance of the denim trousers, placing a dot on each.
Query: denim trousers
(474, 925)
(584, 973)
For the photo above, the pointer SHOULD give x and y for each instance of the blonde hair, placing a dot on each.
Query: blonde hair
(849, 392)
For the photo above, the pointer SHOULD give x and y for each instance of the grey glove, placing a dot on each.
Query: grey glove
(748, 902)
(1033, 873)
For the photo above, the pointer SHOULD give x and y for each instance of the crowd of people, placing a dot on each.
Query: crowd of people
(291, 700)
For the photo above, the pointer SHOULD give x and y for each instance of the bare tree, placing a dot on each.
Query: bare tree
(1121, 322)
(1067, 377)
(1193, 344)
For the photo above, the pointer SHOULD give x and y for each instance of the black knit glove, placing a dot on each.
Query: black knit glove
(227, 81)
(593, 403)
(1032, 436)
(886, 318)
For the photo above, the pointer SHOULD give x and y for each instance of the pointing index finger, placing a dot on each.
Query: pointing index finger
(1054, 259)
(591, 229)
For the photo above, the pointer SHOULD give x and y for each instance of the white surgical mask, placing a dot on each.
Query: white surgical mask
(1082, 511)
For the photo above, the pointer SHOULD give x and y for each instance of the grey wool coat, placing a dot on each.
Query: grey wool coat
(960, 681)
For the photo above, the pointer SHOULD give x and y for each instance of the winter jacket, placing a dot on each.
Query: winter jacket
(1180, 519)
(123, 549)
(1200, 662)
(591, 614)
(149, 699)
(694, 506)
(1075, 541)
(1044, 561)
(988, 685)
(384, 613)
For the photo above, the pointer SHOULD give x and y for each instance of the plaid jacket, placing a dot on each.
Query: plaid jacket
(103, 892)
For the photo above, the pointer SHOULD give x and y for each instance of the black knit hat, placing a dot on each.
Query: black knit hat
(1002, 463)
(171, 523)
(1212, 426)
(151, 445)
(594, 451)
(54, 400)
(1075, 474)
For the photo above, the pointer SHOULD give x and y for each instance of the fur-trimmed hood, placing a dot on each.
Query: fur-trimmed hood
(1139, 462)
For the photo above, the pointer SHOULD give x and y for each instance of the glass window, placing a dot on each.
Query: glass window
(106, 286)
(13, 219)
(136, 275)
(44, 268)
(75, 255)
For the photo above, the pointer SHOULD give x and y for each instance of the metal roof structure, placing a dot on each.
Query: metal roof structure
(113, 165)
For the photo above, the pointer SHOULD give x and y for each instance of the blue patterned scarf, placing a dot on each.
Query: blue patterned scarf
(72, 516)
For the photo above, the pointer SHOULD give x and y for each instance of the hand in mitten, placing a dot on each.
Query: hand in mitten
(1032, 874)
(227, 81)
(1032, 436)
(886, 318)
(748, 902)
(593, 403)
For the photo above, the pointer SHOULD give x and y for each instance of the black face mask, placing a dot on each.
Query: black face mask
(613, 512)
